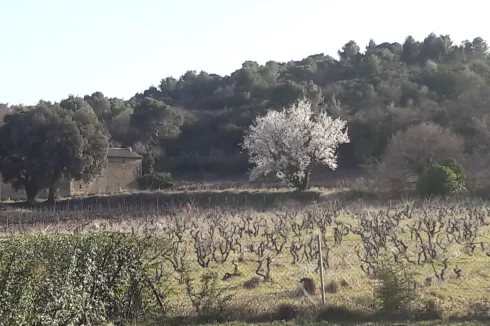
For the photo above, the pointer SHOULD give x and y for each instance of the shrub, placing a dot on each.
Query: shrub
(155, 181)
(72, 280)
(409, 153)
(286, 312)
(209, 300)
(332, 287)
(458, 170)
(440, 180)
(251, 283)
(396, 288)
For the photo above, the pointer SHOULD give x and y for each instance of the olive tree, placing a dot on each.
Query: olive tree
(45, 143)
(291, 141)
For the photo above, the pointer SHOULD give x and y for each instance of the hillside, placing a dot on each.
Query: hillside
(193, 125)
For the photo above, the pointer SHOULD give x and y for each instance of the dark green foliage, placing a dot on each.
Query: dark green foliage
(380, 90)
(72, 280)
(43, 143)
(155, 181)
(147, 164)
(154, 121)
(440, 180)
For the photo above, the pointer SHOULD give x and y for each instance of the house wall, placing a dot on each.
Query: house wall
(119, 175)
(63, 189)
(7, 192)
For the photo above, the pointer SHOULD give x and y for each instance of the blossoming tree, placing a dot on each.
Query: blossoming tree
(290, 142)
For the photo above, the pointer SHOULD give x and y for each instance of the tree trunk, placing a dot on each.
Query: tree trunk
(52, 195)
(305, 183)
(32, 190)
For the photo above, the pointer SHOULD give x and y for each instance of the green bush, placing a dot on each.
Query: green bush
(440, 180)
(396, 288)
(155, 181)
(73, 279)
(458, 170)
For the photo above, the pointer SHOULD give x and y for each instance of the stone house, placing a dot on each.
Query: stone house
(122, 168)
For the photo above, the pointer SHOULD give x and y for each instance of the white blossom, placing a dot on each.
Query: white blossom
(289, 142)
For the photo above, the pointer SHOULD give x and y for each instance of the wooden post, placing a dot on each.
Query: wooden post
(320, 262)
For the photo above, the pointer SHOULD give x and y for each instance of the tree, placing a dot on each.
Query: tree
(100, 104)
(4, 110)
(291, 141)
(154, 121)
(74, 103)
(380, 90)
(350, 51)
(45, 143)
(411, 152)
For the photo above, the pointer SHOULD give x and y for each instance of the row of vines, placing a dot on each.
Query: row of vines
(437, 238)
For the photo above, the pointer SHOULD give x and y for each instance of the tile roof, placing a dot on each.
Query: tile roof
(114, 152)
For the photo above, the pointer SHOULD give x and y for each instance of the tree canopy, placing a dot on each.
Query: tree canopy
(195, 123)
(46, 142)
(291, 141)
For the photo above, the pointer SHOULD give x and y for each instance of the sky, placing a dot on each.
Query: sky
(50, 49)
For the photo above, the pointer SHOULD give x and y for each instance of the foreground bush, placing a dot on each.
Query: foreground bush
(155, 181)
(72, 280)
(396, 289)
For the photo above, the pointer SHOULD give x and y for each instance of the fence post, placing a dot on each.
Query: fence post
(320, 262)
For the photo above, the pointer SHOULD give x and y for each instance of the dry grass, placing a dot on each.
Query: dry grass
(459, 294)
(285, 323)
(157, 200)
(294, 323)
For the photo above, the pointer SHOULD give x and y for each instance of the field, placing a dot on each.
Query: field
(366, 324)
(255, 255)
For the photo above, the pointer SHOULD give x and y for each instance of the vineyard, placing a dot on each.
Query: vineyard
(258, 260)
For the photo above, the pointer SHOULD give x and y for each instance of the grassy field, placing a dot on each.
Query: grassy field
(260, 254)
(148, 200)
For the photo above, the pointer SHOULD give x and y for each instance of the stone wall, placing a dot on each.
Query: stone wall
(118, 176)
(7, 192)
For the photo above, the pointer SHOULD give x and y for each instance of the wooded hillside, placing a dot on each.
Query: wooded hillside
(194, 124)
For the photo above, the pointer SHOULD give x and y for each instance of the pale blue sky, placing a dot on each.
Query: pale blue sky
(52, 48)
